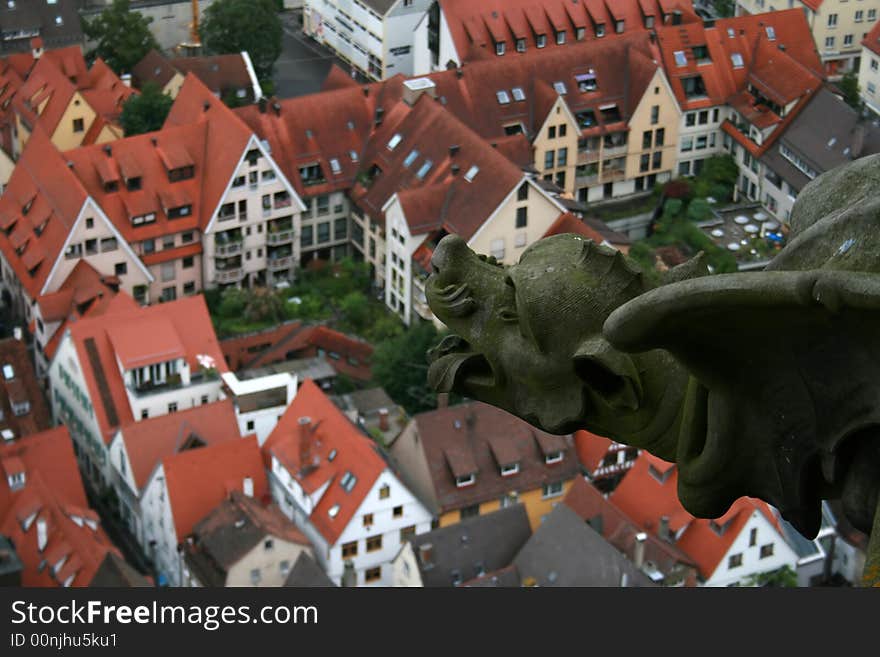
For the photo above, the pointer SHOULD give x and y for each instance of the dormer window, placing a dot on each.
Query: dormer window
(335, 166)
(27, 206)
(509, 469)
(618, 27)
(560, 88)
(466, 480)
(701, 54)
(553, 457)
(649, 22)
(771, 33)
(737, 60)
(409, 159)
(181, 173)
(658, 475)
(252, 156)
(499, 48)
(133, 184)
(680, 58)
(148, 218)
(472, 173)
(518, 94)
(600, 30)
(181, 211)
(16, 481)
(560, 37)
(503, 97)
(541, 40)
(586, 82)
(424, 169)
(520, 45)
(580, 33)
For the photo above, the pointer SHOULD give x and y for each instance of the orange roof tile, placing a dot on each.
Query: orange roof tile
(52, 494)
(200, 479)
(872, 39)
(331, 430)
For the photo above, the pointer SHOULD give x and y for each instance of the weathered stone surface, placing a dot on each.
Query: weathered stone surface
(763, 384)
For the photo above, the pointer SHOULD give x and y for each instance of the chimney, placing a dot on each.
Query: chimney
(277, 107)
(455, 169)
(413, 90)
(782, 47)
(442, 399)
(42, 534)
(349, 576)
(247, 487)
(624, 580)
(379, 113)
(305, 426)
(426, 554)
(663, 528)
(639, 555)
(262, 104)
(108, 149)
(36, 47)
(383, 419)
(126, 79)
(206, 105)
(154, 141)
(459, 72)
(366, 91)
(453, 150)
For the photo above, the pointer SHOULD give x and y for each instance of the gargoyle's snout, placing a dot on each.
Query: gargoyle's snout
(450, 253)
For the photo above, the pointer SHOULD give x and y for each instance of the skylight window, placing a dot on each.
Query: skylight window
(394, 141)
(503, 97)
(680, 58)
(333, 511)
(730, 33)
(413, 154)
(332, 454)
(353, 155)
(737, 60)
(348, 481)
(560, 87)
(424, 169)
(518, 94)
(771, 33)
(334, 165)
(472, 173)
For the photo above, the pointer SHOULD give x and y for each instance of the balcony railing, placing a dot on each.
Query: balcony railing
(232, 275)
(612, 151)
(279, 203)
(586, 179)
(277, 264)
(609, 175)
(586, 157)
(227, 249)
(173, 382)
(280, 237)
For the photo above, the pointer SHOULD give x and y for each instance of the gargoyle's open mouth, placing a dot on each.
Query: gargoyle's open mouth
(453, 362)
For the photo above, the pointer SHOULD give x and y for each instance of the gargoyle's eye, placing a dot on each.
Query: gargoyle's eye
(508, 315)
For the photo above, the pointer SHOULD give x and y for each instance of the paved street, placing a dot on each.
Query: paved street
(303, 64)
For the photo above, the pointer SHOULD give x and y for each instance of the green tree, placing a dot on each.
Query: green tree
(400, 366)
(784, 577)
(849, 86)
(263, 304)
(123, 37)
(355, 309)
(146, 111)
(232, 26)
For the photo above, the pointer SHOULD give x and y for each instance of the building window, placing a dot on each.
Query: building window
(384, 492)
(549, 158)
(735, 560)
(767, 550)
(268, 544)
(374, 543)
(520, 45)
(647, 139)
(753, 537)
(560, 37)
(172, 407)
(522, 217)
(860, 16)
(655, 115)
(373, 574)
(121, 269)
(407, 532)
(368, 519)
(552, 490)
(644, 162)
(832, 20)
(523, 192)
(562, 157)
(511, 469)
(255, 576)
(397, 512)
(499, 48)
(541, 40)
(554, 457)
(78, 125)
(657, 160)
(349, 549)
(848, 40)
(469, 511)
(690, 119)
(829, 42)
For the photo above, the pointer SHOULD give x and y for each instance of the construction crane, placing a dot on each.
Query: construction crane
(192, 47)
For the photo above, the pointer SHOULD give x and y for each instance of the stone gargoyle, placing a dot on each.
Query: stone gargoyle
(764, 384)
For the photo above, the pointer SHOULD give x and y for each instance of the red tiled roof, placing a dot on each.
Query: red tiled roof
(22, 388)
(568, 223)
(474, 26)
(148, 441)
(872, 40)
(53, 494)
(591, 449)
(456, 442)
(42, 176)
(200, 479)
(330, 430)
(645, 499)
(145, 341)
(132, 328)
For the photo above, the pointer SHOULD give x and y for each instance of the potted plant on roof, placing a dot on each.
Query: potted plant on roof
(207, 366)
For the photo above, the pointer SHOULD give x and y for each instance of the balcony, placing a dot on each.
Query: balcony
(282, 200)
(231, 248)
(173, 382)
(231, 275)
(281, 237)
(588, 157)
(614, 151)
(613, 175)
(278, 264)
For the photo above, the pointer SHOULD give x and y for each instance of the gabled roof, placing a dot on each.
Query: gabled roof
(42, 184)
(566, 551)
(230, 531)
(115, 571)
(645, 499)
(153, 67)
(52, 494)
(200, 479)
(471, 547)
(475, 26)
(456, 443)
(19, 389)
(872, 39)
(306, 572)
(591, 449)
(217, 72)
(92, 337)
(329, 432)
(148, 441)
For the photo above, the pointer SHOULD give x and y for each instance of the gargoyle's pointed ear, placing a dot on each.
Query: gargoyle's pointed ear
(609, 373)
(693, 268)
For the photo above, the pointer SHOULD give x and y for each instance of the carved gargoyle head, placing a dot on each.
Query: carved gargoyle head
(528, 338)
